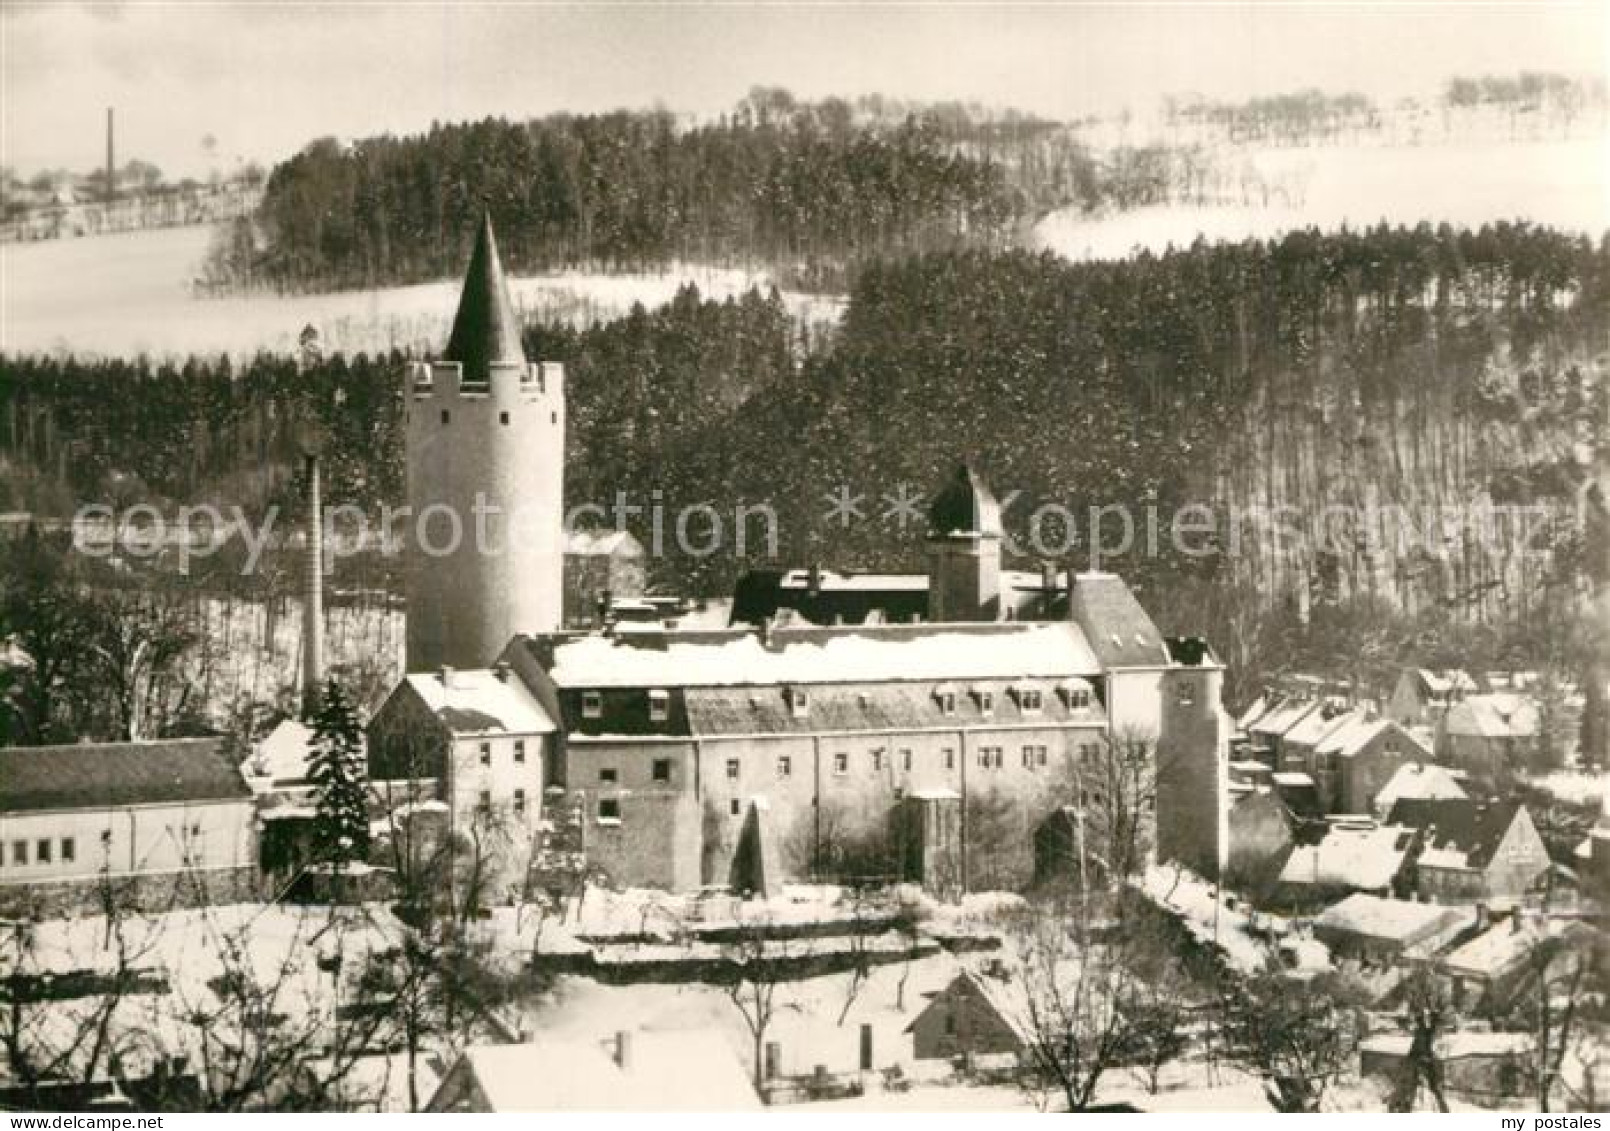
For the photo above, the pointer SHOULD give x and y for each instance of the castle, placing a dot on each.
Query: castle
(937, 728)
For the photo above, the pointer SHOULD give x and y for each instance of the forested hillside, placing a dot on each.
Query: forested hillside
(1424, 368)
(812, 188)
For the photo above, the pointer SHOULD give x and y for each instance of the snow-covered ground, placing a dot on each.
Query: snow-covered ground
(1564, 184)
(132, 292)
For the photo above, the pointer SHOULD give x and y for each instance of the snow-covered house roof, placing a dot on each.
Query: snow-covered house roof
(1357, 729)
(603, 543)
(1499, 714)
(1256, 710)
(813, 655)
(1358, 855)
(481, 701)
(1398, 921)
(1445, 681)
(280, 756)
(1314, 726)
(1418, 781)
(682, 1070)
(1498, 950)
(1281, 718)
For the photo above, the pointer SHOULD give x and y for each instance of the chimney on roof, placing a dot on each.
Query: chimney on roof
(623, 1050)
(813, 579)
(111, 166)
(445, 674)
(501, 670)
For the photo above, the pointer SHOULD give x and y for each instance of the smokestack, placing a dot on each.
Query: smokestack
(623, 1050)
(313, 603)
(111, 167)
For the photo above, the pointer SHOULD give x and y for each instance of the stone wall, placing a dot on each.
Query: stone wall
(163, 891)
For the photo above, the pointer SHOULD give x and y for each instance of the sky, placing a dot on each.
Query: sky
(263, 80)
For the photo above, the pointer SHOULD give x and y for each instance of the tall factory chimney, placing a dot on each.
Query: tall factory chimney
(313, 599)
(111, 166)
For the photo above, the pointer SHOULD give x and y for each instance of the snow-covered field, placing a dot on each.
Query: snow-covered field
(1564, 184)
(132, 292)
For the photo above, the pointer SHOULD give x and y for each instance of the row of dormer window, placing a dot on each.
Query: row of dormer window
(1028, 699)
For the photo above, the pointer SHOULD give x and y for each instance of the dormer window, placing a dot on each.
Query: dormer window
(986, 701)
(799, 702)
(945, 696)
(1077, 694)
(659, 706)
(1028, 699)
(592, 704)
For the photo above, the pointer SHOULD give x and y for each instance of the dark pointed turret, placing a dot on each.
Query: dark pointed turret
(485, 330)
(964, 551)
(964, 507)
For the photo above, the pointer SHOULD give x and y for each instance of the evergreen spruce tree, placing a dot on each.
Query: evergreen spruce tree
(338, 773)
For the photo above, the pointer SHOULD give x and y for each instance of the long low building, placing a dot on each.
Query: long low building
(162, 822)
(928, 752)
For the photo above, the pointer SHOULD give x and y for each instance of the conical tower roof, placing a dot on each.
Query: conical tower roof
(485, 330)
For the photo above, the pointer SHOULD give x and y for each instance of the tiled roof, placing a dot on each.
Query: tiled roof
(477, 701)
(1458, 828)
(103, 774)
(891, 707)
(1117, 627)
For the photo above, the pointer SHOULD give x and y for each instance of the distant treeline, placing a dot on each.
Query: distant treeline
(810, 187)
(1315, 116)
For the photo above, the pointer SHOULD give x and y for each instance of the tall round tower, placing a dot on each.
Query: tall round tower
(486, 450)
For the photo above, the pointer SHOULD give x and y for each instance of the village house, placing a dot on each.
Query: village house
(1354, 855)
(1298, 743)
(1355, 759)
(1422, 696)
(476, 740)
(166, 822)
(669, 1070)
(1268, 731)
(1491, 737)
(1487, 971)
(1473, 851)
(1379, 931)
(971, 1017)
(1418, 781)
(1483, 1068)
